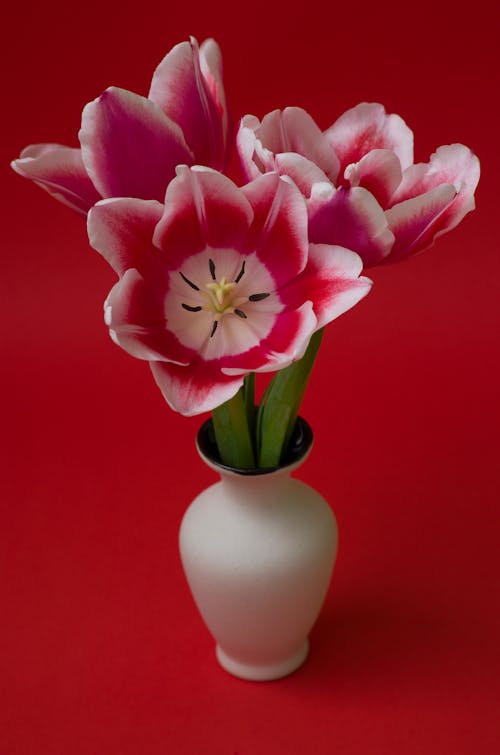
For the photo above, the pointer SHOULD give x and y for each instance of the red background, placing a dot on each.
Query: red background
(101, 649)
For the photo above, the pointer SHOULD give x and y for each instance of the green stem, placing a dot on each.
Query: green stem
(232, 433)
(280, 406)
(258, 420)
(249, 396)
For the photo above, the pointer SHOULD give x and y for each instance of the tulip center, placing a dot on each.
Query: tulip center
(221, 302)
(220, 294)
(219, 297)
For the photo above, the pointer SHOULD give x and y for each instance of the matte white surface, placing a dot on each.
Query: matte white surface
(258, 553)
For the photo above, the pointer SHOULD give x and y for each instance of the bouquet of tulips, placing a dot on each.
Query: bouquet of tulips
(216, 281)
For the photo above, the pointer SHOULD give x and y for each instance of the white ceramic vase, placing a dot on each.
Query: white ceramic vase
(258, 551)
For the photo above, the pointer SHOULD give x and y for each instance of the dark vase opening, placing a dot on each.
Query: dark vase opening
(300, 443)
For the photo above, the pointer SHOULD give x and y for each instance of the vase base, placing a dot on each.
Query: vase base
(266, 672)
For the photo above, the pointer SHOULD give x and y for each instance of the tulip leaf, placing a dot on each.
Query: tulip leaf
(232, 433)
(280, 406)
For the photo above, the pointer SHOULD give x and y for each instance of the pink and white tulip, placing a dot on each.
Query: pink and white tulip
(362, 188)
(130, 145)
(218, 282)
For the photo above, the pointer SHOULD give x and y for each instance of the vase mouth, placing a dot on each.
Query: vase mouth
(297, 451)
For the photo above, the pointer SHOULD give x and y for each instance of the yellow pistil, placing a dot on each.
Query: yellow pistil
(221, 291)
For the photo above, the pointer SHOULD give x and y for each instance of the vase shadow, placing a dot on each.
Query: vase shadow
(358, 641)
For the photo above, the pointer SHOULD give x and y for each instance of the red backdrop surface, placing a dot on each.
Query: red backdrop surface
(101, 648)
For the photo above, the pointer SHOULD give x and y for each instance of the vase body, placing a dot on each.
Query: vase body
(258, 552)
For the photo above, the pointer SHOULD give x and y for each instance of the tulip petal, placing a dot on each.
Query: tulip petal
(302, 171)
(254, 158)
(331, 281)
(451, 164)
(60, 171)
(416, 221)
(379, 171)
(366, 127)
(306, 138)
(351, 218)
(286, 343)
(194, 389)
(134, 314)
(279, 231)
(293, 130)
(121, 230)
(289, 131)
(211, 69)
(202, 208)
(129, 147)
(180, 90)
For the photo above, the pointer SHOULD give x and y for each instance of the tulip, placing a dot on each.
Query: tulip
(130, 145)
(364, 193)
(218, 282)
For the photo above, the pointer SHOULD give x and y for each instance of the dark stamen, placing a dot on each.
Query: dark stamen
(191, 309)
(214, 328)
(240, 313)
(211, 265)
(241, 273)
(258, 297)
(190, 283)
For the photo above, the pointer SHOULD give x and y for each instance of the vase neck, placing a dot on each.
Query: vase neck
(256, 488)
(297, 452)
